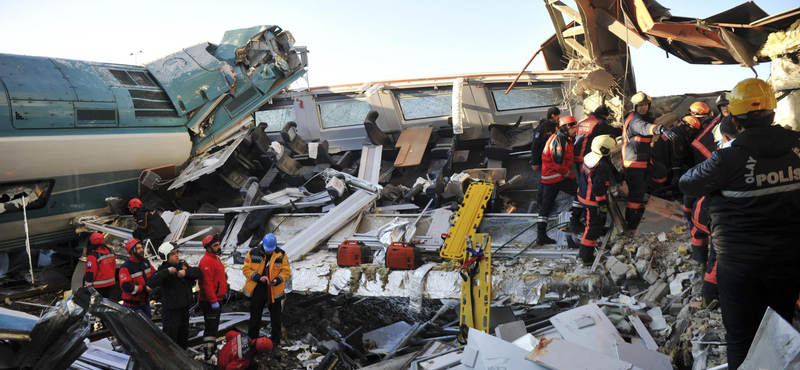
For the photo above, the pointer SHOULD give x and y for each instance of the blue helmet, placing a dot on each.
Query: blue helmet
(270, 242)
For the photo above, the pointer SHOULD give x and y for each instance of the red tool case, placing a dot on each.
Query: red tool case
(403, 256)
(353, 253)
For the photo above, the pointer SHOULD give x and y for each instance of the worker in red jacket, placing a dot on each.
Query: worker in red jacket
(557, 175)
(101, 266)
(213, 290)
(238, 352)
(133, 277)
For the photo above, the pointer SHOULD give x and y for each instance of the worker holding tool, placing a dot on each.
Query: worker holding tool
(592, 187)
(557, 175)
(133, 277)
(637, 133)
(149, 224)
(101, 266)
(266, 269)
(176, 280)
(546, 128)
(239, 351)
(755, 216)
(213, 290)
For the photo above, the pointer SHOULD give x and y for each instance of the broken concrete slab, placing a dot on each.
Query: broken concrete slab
(657, 291)
(564, 355)
(658, 323)
(599, 336)
(776, 345)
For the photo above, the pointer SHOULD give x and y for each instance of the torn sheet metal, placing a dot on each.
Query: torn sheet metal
(484, 352)
(370, 168)
(415, 286)
(776, 345)
(388, 337)
(643, 333)
(642, 357)
(105, 359)
(60, 328)
(206, 164)
(565, 355)
(600, 334)
(15, 323)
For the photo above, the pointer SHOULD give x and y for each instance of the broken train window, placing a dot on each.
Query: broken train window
(276, 115)
(35, 195)
(342, 110)
(425, 103)
(526, 97)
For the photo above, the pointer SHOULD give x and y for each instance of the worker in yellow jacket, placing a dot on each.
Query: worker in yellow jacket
(266, 269)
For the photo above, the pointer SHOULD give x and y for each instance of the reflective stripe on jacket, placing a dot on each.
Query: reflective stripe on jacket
(133, 277)
(278, 269)
(637, 133)
(101, 268)
(557, 159)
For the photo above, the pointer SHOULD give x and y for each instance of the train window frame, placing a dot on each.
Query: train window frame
(277, 105)
(501, 88)
(41, 201)
(341, 98)
(423, 93)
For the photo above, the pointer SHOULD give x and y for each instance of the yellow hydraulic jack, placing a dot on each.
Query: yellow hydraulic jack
(466, 220)
(476, 286)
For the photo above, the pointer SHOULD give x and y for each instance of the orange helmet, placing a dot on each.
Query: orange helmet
(691, 121)
(699, 108)
(567, 121)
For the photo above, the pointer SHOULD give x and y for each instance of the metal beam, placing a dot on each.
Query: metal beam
(573, 31)
(574, 44)
(558, 24)
(617, 28)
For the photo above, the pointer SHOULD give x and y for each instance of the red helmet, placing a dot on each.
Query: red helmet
(135, 203)
(130, 244)
(691, 121)
(97, 239)
(567, 121)
(699, 108)
(263, 345)
(209, 240)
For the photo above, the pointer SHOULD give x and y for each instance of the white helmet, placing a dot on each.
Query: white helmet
(165, 249)
(601, 147)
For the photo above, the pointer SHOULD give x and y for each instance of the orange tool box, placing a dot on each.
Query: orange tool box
(353, 253)
(403, 256)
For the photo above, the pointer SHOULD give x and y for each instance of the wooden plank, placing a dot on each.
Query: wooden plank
(412, 144)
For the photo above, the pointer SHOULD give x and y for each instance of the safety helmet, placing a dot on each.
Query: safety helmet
(640, 98)
(97, 239)
(601, 147)
(165, 249)
(699, 108)
(270, 242)
(263, 345)
(130, 244)
(567, 121)
(135, 203)
(691, 121)
(723, 99)
(209, 240)
(751, 95)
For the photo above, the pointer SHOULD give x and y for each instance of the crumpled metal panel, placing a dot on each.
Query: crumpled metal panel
(51, 338)
(776, 345)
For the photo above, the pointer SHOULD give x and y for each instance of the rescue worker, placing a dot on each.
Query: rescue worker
(700, 111)
(175, 278)
(238, 352)
(594, 125)
(101, 266)
(637, 133)
(213, 290)
(133, 276)
(149, 224)
(546, 128)
(557, 175)
(266, 269)
(703, 144)
(756, 216)
(592, 186)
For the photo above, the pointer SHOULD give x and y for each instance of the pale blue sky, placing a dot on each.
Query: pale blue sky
(349, 41)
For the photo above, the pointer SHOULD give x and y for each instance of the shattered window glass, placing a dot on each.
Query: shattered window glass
(525, 97)
(33, 194)
(275, 118)
(425, 103)
(341, 113)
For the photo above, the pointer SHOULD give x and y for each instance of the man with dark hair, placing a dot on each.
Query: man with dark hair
(175, 278)
(133, 277)
(213, 289)
(542, 132)
(755, 214)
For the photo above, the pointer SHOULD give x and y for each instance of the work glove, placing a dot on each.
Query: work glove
(215, 305)
(668, 135)
(602, 208)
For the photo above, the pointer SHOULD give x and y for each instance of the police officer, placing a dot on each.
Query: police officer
(133, 277)
(266, 269)
(101, 266)
(213, 290)
(557, 175)
(175, 279)
(755, 216)
(637, 133)
(592, 187)
(546, 128)
(149, 224)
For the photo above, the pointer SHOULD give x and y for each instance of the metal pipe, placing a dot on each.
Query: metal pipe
(523, 69)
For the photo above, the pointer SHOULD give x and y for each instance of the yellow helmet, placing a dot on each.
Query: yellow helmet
(751, 95)
(640, 98)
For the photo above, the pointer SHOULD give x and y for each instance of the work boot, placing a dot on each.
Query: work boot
(543, 239)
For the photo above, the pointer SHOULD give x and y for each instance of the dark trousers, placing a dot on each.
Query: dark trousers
(709, 290)
(594, 226)
(211, 322)
(176, 325)
(636, 178)
(699, 245)
(257, 302)
(105, 292)
(548, 199)
(745, 291)
(145, 309)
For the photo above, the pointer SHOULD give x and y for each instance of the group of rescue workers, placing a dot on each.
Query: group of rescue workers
(266, 268)
(739, 176)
